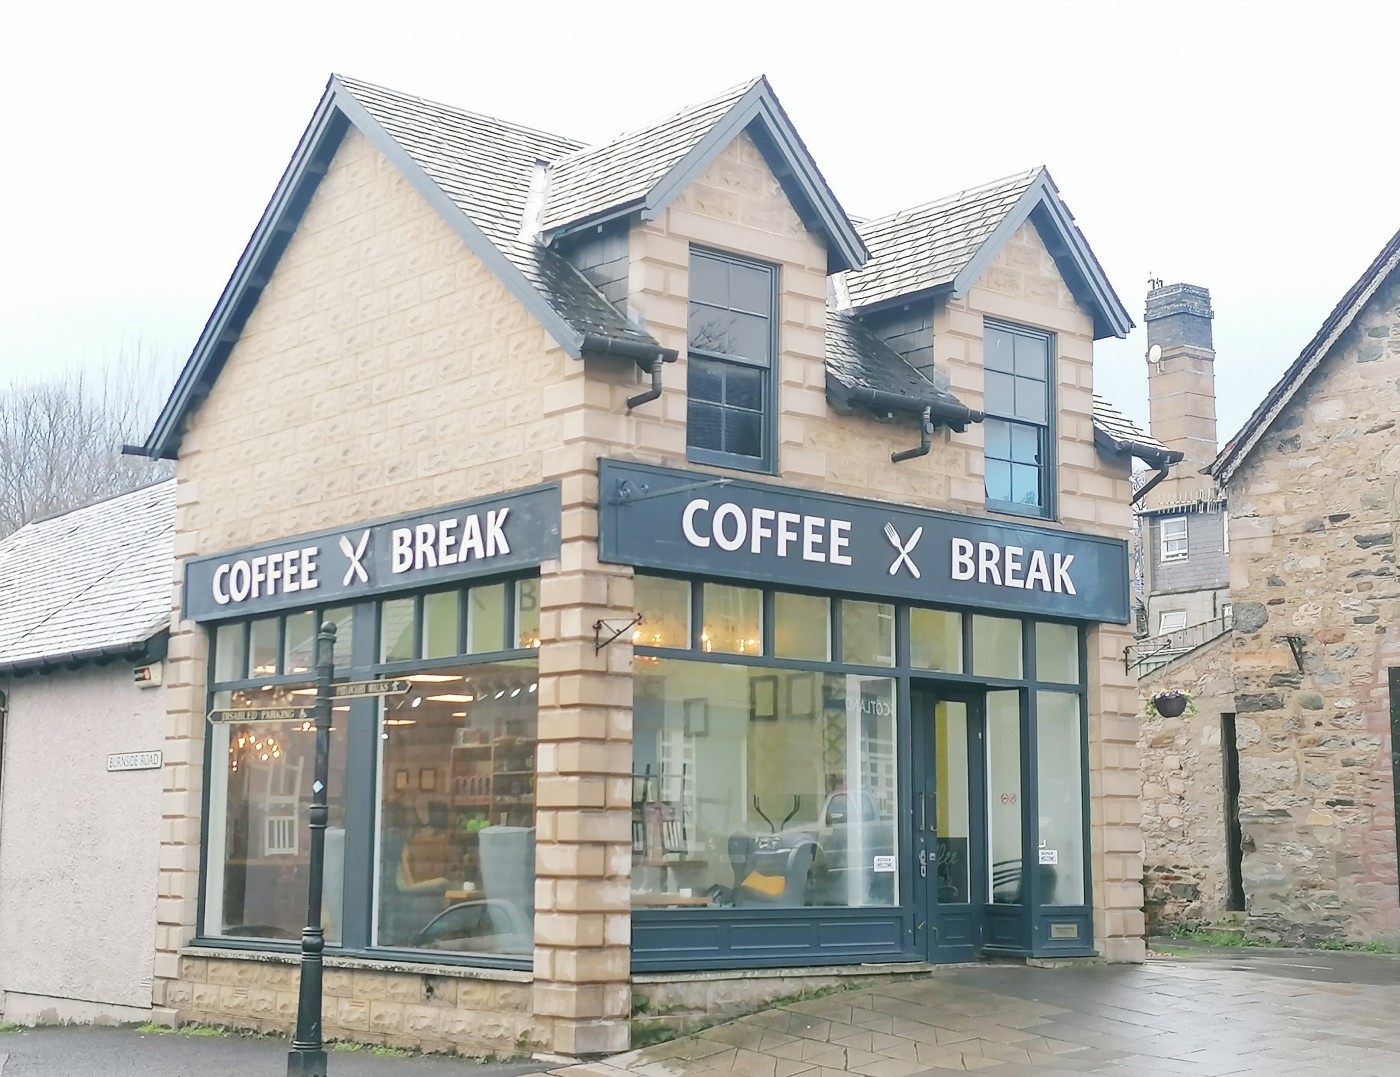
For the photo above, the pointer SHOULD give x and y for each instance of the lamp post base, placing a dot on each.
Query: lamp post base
(306, 1063)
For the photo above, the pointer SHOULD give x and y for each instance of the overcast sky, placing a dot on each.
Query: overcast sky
(1248, 147)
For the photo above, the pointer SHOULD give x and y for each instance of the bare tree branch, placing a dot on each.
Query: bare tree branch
(60, 440)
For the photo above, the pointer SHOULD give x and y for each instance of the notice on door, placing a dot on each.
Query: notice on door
(883, 865)
(1049, 856)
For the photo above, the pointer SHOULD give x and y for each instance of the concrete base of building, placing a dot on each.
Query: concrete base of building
(20, 1008)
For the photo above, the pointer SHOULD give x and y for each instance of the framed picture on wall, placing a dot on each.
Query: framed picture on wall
(802, 695)
(763, 699)
(696, 714)
(427, 779)
(400, 780)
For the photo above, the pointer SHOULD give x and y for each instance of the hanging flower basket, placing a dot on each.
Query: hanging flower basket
(1172, 703)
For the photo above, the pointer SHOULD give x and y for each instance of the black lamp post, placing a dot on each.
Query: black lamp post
(307, 1057)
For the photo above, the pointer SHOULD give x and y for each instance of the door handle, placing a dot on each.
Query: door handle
(923, 864)
(923, 824)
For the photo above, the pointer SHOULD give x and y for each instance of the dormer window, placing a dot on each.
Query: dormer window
(1016, 367)
(731, 391)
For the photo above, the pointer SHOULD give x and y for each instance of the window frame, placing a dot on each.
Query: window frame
(1048, 509)
(767, 461)
(1162, 629)
(1168, 555)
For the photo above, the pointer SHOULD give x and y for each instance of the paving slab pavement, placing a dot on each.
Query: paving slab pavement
(1214, 1015)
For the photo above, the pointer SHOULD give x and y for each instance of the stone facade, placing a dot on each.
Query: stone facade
(1183, 790)
(1312, 525)
(385, 369)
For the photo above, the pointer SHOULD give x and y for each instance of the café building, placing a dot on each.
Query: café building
(752, 583)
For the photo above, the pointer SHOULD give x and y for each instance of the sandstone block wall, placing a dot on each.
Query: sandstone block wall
(1313, 541)
(1183, 790)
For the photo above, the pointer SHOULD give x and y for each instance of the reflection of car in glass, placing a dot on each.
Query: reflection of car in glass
(826, 861)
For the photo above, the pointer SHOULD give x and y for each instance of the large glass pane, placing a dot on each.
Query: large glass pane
(704, 426)
(396, 630)
(231, 652)
(935, 640)
(954, 853)
(1056, 653)
(867, 633)
(996, 647)
(801, 627)
(998, 349)
(456, 843)
(1025, 484)
(1030, 400)
(750, 288)
(1031, 356)
(262, 647)
(527, 612)
(999, 393)
(665, 609)
(299, 647)
(440, 624)
(998, 480)
(733, 619)
(486, 620)
(1004, 796)
(759, 787)
(258, 838)
(743, 433)
(343, 617)
(709, 279)
(1059, 771)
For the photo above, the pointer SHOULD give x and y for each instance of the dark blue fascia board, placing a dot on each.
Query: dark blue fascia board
(796, 171)
(1075, 259)
(308, 164)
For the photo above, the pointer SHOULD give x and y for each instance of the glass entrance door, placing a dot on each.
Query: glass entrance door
(949, 825)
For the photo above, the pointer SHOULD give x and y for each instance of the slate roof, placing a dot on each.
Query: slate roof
(927, 246)
(620, 172)
(484, 166)
(945, 244)
(1387, 262)
(94, 582)
(859, 362)
(1119, 435)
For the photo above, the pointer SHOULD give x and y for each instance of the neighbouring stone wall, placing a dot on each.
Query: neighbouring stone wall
(1313, 513)
(1183, 790)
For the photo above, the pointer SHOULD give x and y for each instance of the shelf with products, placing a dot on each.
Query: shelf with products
(493, 782)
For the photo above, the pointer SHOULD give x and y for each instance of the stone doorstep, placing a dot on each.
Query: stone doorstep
(902, 968)
(367, 964)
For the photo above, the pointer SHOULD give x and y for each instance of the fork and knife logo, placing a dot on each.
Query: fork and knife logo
(904, 549)
(356, 569)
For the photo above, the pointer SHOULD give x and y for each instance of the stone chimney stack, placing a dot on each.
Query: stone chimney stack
(1181, 388)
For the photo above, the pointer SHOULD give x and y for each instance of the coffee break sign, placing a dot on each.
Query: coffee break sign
(687, 522)
(492, 535)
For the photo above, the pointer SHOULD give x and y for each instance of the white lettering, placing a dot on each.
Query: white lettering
(471, 539)
(731, 511)
(259, 564)
(424, 538)
(274, 572)
(812, 538)
(239, 581)
(761, 519)
(988, 553)
(400, 550)
(1038, 575)
(688, 523)
(840, 541)
(1063, 583)
(496, 533)
(309, 582)
(293, 569)
(221, 595)
(446, 539)
(963, 568)
(787, 530)
(1013, 566)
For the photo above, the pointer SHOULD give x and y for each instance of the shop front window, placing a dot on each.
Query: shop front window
(759, 787)
(456, 863)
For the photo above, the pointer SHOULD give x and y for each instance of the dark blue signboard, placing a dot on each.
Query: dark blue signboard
(682, 521)
(492, 535)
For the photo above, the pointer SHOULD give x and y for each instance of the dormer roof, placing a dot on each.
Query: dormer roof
(946, 244)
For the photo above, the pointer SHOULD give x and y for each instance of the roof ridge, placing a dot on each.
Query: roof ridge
(350, 82)
(1025, 174)
(734, 93)
(144, 487)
